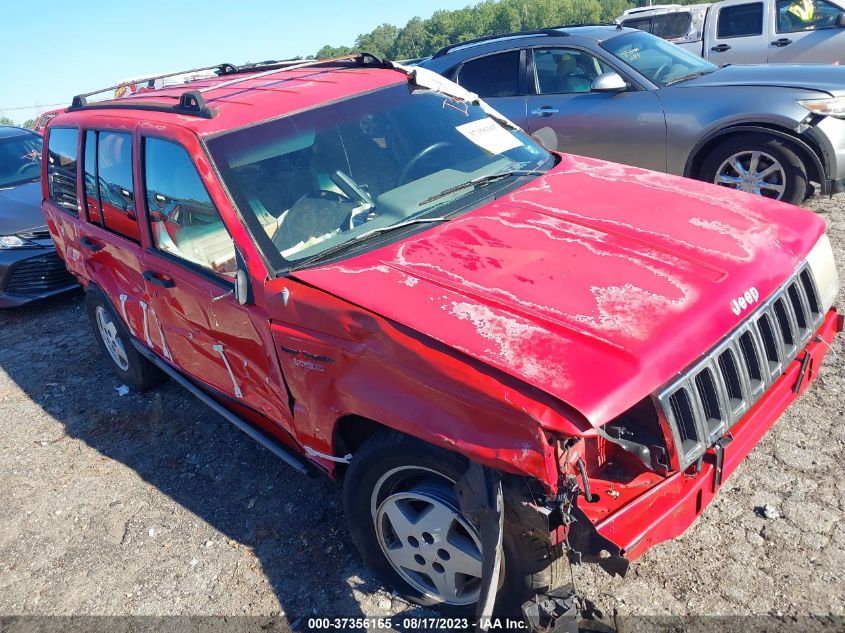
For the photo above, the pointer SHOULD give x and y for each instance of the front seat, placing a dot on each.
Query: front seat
(568, 79)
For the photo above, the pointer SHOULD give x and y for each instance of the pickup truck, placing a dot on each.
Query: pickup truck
(750, 31)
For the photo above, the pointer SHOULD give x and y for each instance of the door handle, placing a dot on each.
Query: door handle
(544, 111)
(721, 48)
(154, 278)
(90, 245)
(784, 41)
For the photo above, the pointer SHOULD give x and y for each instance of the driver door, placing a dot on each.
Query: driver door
(626, 127)
(193, 319)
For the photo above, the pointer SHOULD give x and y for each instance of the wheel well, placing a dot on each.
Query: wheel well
(694, 169)
(350, 432)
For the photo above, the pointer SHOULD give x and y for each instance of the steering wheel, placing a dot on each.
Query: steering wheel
(422, 154)
(664, 67)
(26, 167)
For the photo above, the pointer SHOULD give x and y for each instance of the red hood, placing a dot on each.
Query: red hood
(596, 283)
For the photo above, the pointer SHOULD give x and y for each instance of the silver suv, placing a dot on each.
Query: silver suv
(627, 96)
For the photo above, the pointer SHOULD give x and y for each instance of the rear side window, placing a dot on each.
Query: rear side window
(671, 25)
(184, 221)
(741, 20)
(643, 24)
(492, 76)
(109, 193)
(61, 168)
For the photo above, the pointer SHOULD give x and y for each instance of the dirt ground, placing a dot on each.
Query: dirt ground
(150, 504)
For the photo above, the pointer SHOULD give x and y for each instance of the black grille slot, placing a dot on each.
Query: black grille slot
(752, 363)
(798, 308)
(783, 323)
(770, 343)
(39, 274)
(684, 414)
(810, 291)
(709, 396)
(731, 378)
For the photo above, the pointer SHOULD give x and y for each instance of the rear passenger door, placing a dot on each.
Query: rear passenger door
(737, 33)
(109, 239)
(189, 271)
(499, 79)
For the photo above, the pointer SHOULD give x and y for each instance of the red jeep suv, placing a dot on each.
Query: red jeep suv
(511, 357)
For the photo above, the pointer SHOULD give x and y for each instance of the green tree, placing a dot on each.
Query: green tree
(30, 123)
(4, 120)
(379, 41)
(332, 51)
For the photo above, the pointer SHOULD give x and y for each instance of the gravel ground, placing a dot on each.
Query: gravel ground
(149, 504)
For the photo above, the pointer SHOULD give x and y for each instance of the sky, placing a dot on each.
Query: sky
(64, 48)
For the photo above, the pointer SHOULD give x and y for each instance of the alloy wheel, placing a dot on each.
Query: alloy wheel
(754, 172)
(111, 339)
(427, 540)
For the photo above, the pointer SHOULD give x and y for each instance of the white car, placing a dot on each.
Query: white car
(750, 31)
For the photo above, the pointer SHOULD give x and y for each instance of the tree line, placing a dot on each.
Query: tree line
(421, 37)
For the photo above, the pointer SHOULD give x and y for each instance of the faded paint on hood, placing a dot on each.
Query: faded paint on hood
(596, 282)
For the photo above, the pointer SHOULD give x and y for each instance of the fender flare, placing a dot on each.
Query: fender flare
(812, 152)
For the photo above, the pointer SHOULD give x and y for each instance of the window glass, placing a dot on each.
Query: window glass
(655, 58)
(184, 220)
(61, 168)
(643, 24)
(492, 76)
(114, 177)
(671, 25)
(741, 20)
(805, 15)
(566, 70)
(92, 199)
(320, 181)
(20, 159)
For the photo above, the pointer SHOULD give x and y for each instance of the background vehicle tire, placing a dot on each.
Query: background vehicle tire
(757, 164)
(393, 473)
(116, 343)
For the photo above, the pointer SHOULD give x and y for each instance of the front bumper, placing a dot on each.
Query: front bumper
(828, 135)
(28, 274)
(667, 509)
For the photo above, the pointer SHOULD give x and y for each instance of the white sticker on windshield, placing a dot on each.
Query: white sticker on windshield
(489, 135)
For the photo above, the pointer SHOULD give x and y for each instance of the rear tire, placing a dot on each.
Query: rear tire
(758, 164)
(390, 465)
(116, 343)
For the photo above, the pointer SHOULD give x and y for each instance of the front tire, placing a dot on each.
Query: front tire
(758, 164)
(116, 343)
(405, 520)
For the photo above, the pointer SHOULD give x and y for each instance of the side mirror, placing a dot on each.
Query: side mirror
(608, 82)
(241, 288)
(839, 20)
(546, 137)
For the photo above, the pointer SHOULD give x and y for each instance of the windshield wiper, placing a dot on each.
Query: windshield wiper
(398, 225)
(697, 73)
(480, 180)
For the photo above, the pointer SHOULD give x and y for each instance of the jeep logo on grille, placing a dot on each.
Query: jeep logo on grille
(742, 302)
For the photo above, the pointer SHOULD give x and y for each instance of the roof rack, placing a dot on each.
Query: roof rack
(191, 102)
(552, 31)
